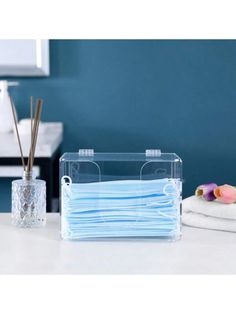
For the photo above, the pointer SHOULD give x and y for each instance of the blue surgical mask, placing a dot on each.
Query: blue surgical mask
(120, 208)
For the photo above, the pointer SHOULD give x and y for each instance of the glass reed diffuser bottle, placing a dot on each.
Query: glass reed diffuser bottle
(28, 201)
(29, 193)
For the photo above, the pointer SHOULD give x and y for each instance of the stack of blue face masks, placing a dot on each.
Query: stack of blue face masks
(129, 208)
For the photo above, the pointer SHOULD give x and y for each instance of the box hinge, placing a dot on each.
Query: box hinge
(86, 152)
(153, 152)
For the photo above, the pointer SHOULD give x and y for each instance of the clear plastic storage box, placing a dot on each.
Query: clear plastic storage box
(120, 195)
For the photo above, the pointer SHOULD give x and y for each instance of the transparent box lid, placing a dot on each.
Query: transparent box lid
(88, 166)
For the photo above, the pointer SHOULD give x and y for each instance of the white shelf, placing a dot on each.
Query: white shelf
(16, 171)
(48, 142)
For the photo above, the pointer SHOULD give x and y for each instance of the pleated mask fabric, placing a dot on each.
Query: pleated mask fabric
(125, 208)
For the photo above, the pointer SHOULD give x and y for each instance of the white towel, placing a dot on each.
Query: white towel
(197, 212)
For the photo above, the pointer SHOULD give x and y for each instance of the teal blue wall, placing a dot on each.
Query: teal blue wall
(179, 96)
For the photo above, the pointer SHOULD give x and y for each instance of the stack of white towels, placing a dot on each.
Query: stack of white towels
(196, 212)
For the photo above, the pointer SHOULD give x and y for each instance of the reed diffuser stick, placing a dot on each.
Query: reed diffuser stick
(31, 129)
(31, 114)
(17, 133)
(35, 132)
(40, 104)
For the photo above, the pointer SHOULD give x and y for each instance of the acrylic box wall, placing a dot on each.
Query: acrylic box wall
(120, 195)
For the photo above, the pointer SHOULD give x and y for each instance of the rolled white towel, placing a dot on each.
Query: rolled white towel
(196, 212)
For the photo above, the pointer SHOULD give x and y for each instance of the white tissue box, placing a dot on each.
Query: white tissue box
(107, 195)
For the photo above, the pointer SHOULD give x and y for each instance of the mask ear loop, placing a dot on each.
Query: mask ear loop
(160, 210)
(172, 184)
(176, 193)
(66, 183)
(165, 215)
(167, 194)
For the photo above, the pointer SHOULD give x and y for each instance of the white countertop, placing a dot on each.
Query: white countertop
(41, 251)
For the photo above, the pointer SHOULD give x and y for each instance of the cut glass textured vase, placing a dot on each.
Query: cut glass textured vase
(28, 202)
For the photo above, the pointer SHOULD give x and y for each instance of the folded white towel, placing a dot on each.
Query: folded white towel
(209, 215)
